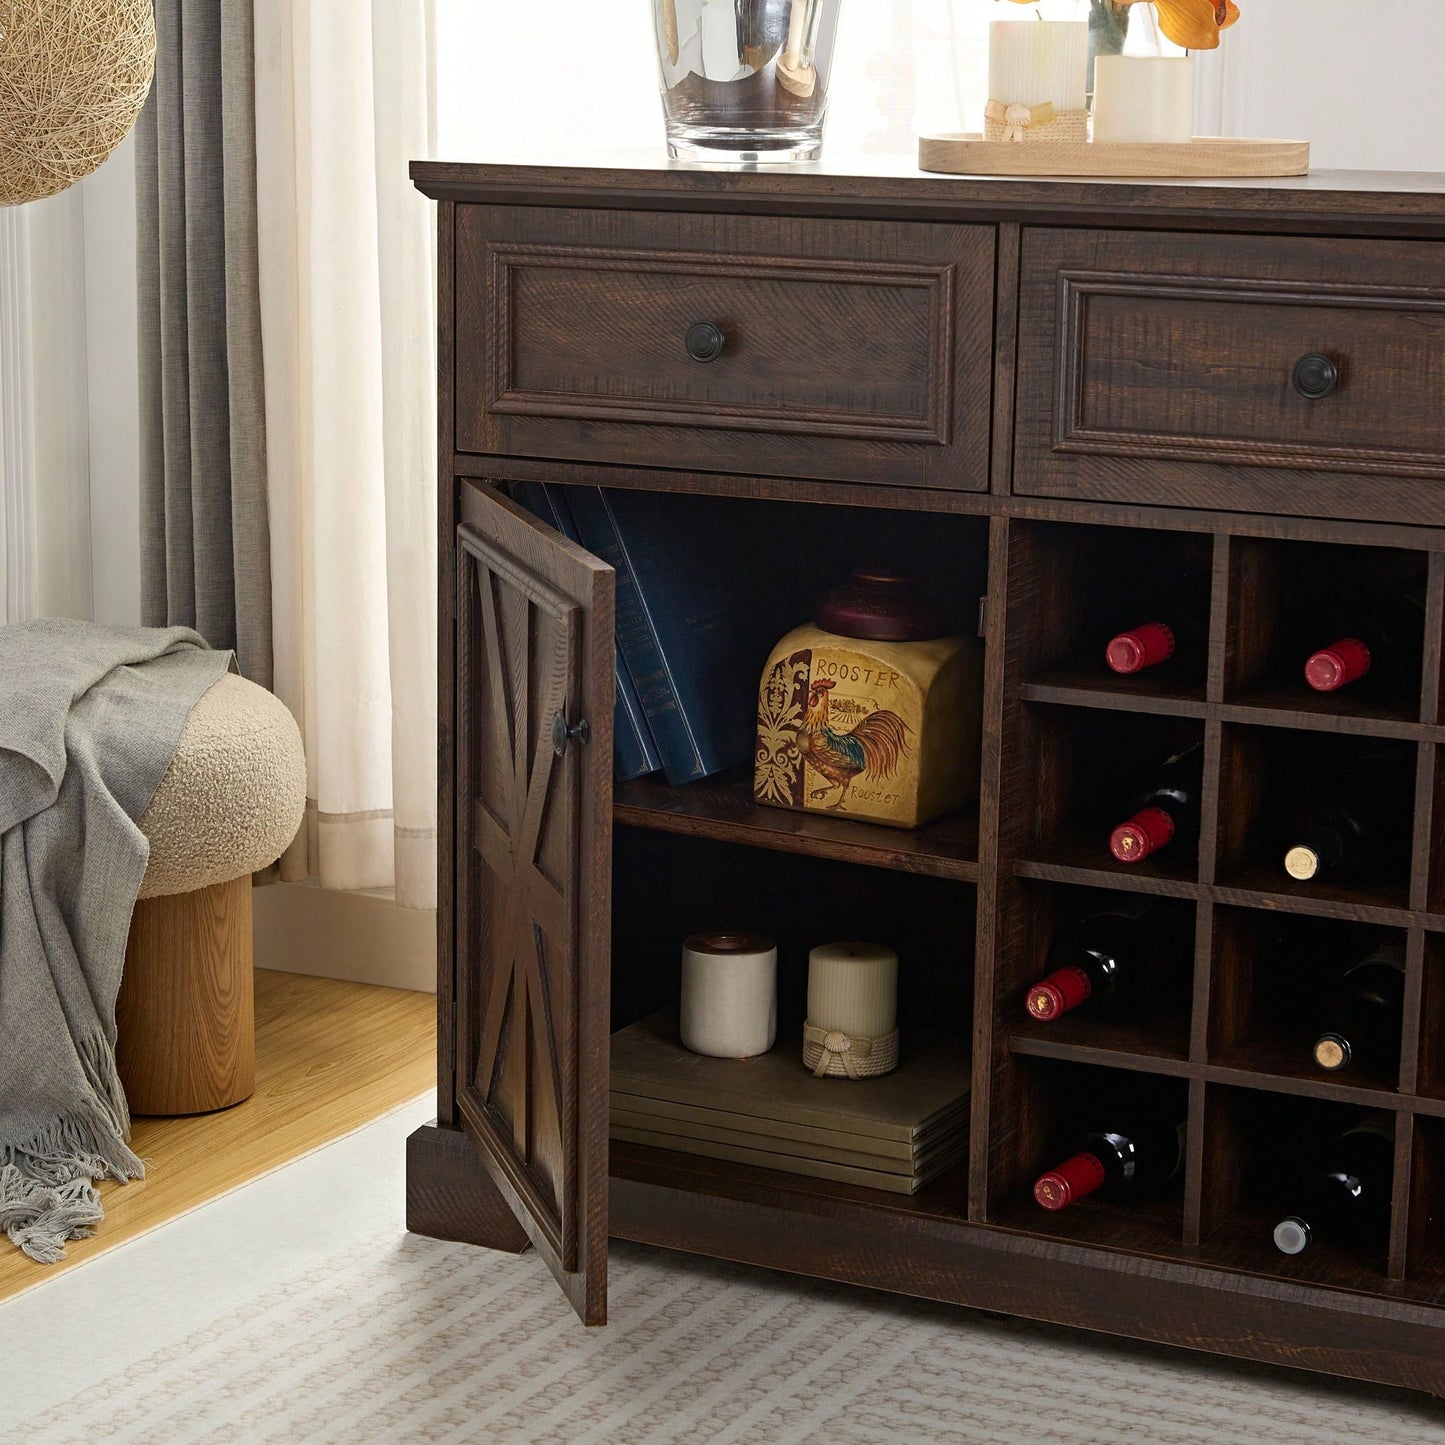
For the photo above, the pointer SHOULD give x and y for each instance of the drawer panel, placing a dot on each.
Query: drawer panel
(1160, 368)
(851, 350)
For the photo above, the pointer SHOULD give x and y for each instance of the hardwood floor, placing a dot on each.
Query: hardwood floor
(329, 1057)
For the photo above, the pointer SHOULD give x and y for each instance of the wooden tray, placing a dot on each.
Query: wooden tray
(971, 155)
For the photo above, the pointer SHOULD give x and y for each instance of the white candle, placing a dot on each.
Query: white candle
(729, 995)
(1033, 61)
(1143, 98)
(853, 989)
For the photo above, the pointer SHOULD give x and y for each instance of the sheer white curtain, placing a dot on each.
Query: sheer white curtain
(344, 99)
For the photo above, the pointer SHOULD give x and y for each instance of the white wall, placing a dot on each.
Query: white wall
(1361, 82)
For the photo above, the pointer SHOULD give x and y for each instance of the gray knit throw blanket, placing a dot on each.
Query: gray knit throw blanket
(89, 721)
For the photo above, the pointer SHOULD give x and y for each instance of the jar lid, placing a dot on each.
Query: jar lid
(880, 604)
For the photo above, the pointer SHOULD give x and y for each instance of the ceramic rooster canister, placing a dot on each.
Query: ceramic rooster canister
(869, 711)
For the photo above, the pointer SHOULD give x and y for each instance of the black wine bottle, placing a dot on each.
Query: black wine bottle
(1346, 1201)
(1354, 824)
(1126, 962)
(1135, 1150)
(1166, 812)
(1363, 1015)
(1377, 649)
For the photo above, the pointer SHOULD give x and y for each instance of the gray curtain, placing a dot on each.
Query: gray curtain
(205, 543)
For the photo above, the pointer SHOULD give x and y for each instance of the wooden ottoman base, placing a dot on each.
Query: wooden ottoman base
(186, 1012)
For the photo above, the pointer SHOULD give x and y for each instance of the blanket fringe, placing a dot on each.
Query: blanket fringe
(47, 1190)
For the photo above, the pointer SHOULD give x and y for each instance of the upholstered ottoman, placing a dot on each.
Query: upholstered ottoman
(230, 803)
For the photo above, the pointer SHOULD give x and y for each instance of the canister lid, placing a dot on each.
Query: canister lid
(881, 604)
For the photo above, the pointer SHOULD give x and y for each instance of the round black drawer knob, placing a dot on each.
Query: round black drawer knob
(1315, 376)
(705, 341)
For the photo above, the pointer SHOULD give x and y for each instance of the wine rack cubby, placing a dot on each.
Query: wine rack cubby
(1270, 984)
(1259, 1150)
(1284, 597)
(1088, 766)
(1056, 1099)
(1157, 1030)
(1266, 774)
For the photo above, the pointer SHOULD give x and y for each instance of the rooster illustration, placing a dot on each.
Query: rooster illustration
(874, 746)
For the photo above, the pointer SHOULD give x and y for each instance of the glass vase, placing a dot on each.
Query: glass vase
(745, 80)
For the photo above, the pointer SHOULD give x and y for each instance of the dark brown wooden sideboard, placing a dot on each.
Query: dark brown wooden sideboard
(1053, 385)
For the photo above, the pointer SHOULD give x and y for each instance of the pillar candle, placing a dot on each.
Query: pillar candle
(1033, 61)
(853, 988)
(729, 994)
(1143, 98)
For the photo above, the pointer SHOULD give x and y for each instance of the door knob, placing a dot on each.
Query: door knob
(561, 732)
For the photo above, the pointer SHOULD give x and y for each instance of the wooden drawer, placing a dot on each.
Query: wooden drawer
(853, 350)
(1160, 368)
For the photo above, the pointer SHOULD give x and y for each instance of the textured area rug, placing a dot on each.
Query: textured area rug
(296, 1309)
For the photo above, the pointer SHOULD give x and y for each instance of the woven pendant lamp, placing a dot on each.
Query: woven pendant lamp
(73, 77)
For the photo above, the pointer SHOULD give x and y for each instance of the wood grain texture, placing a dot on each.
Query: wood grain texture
(962, 154)
(185, 1015)
(534, 640)
(1158, 368)
(330, 1057)
(864, 348)
(1347, 203)
(1137, 450)
(450, 1195)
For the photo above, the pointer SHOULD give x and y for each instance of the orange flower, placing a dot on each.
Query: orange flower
(1194, 24)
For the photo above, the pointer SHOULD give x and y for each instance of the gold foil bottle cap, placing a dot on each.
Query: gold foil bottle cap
(1332, 1052)
(1302, 863)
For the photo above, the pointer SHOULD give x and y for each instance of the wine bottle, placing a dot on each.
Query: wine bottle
(1364, 1013)
(1176, 635)
(1124, 962)
(1137, 1150)
(1168, 809)
(1355, 825)
(1347, 1200)
(1379, 647)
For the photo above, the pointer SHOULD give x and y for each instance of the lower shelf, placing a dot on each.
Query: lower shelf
(925, 1246)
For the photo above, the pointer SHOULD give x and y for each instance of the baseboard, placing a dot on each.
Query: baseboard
(360, 937)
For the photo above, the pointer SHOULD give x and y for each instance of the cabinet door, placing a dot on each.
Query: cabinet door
(533, 878)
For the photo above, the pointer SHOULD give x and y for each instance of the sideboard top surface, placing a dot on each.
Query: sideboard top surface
(1341, 202)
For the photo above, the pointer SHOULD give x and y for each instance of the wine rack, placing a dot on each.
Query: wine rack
(1240, 1048)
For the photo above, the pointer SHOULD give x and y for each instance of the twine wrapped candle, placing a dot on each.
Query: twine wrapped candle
(852, 1027)
(1037, 73)
(729, 994)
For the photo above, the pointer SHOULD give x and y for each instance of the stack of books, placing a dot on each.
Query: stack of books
(692, 636)
(895, 1133)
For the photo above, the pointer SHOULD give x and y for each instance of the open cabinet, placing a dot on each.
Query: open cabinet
(565, 896)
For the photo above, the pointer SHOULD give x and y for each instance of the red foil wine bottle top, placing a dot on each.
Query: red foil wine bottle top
(1140, 647)
(1144, 833)
(1074, 1179)
(1062, 990)
(880, 605)
(1337, 665)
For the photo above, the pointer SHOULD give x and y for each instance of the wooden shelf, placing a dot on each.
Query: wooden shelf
(1329, 712)
(723, 809)
(1310, 712)
(1161, 1048)
(1089, 862)
(1143, 692)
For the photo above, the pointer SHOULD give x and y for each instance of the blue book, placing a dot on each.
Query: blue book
(634, 753)
(693, 633)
